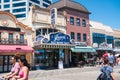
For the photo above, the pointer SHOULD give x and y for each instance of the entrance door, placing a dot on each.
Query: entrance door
(5, 64)
(52, 58)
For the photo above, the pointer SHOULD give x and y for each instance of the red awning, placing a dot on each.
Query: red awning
(15, 48)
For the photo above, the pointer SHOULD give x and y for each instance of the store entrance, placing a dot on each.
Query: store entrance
(52, 58)
(5, 64)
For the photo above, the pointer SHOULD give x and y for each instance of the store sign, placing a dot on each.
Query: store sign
(80, 44)
(105, 45)
(59, 38)
(39, 38)
(53, 13)
(95, 45)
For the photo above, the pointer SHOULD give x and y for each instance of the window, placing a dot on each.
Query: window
(19, 4)
(7, 10)
(44, 31)
(19, 10)
(84, 37)
(35, 1)
(72, 35)
(38, 32)
(20, 15)
(30, 4)
(84, 23)
(6, 0)
(15, 0)
(21, 38)
(47, 1)
(78, 37)
(10, 37)
(45, 5)
(7, 6)
(77, 22)
(50, 30)
(72, 20)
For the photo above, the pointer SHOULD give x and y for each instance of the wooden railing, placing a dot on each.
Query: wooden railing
(13, 41)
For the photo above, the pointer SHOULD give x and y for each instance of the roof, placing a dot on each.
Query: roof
(100, 26)
(69, 4)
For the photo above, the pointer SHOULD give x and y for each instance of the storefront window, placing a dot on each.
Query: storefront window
(10, 37)
(21, 38)
(47, 58)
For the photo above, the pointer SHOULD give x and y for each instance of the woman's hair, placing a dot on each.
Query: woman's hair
(24, 61)
(106, 61)
(16, 57)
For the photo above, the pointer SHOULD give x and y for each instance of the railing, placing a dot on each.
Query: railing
(13, 41)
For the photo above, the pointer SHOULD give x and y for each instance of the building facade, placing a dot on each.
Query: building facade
(20, 8)
(116, 40)
(15, 38)
(51, 43)
(77, 26)
(102, 37)
(77, 19)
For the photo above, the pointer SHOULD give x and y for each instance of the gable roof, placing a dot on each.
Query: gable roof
(69, 4)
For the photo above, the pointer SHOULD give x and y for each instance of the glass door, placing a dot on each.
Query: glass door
(5, 64)
(1, 64)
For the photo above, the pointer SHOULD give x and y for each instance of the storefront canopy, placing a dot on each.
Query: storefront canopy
(15, 48)
(83, 49)
(117, 50)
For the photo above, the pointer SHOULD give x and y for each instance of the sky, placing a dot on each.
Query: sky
(106, 12)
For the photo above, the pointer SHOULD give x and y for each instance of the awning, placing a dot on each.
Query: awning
(15, 48)
(105, 49)
(83, 49)
(117, 50)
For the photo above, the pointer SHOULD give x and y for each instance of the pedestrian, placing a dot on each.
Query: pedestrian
(106, 68)
(111, 59)
(24, 70)
(15, 68)
(118, 61)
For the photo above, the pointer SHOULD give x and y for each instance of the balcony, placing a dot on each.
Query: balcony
(6, 41)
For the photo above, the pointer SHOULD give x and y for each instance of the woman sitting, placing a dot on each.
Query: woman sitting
(24, 70)
(15, 68)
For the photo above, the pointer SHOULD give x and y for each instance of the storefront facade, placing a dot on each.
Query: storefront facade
(13, 40)
(49, 50)
(102, 37)
(116, 40)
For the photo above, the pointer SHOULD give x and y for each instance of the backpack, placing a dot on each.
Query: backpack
(103, 76)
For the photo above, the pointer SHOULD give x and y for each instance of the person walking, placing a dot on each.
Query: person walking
(15, 68)
(24, 70)
(111, 59)
(118, 61)
(106, 68)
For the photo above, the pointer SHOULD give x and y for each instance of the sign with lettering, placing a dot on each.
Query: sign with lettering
(59, 38)
(39, 38)
(53, 13)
